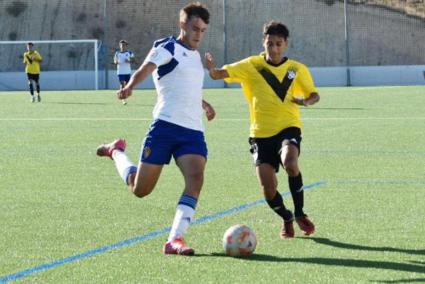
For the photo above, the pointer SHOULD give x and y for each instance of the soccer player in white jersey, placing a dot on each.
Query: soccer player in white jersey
(177, 129)
(123, 59)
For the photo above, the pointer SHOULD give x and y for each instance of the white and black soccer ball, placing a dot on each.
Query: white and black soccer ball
(239, 240)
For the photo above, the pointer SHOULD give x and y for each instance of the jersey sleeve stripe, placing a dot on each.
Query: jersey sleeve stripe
(167, 68)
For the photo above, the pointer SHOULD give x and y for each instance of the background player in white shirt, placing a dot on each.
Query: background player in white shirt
(177, 129)
(123, 59)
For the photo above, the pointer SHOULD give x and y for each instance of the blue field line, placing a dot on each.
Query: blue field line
(380, 182)
(248, 205)
(153, 234)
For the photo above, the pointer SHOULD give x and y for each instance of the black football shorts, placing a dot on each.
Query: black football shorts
(34, 77)
(268, 150)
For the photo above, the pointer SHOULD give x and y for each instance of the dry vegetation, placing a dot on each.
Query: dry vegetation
(410, 7)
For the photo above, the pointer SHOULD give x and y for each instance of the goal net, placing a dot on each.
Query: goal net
(67, 64)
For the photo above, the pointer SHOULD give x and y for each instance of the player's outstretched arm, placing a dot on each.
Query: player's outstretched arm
(209, 110)
(212, 70)
(139, 76)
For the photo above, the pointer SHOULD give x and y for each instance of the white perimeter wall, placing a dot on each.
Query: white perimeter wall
(323, 76)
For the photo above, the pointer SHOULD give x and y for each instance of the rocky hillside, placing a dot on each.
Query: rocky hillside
(382, 32)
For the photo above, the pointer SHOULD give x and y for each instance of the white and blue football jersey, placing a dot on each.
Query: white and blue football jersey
(123, 67)
(178, 80)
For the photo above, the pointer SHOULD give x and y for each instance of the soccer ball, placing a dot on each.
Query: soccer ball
(239, 240)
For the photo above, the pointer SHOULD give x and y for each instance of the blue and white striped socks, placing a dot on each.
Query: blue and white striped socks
(123, 164)
(184, 214)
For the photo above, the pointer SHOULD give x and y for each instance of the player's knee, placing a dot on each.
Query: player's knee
(269, 189)
(194, 177)
(291, 167)
(140, 194)
(194, 182)
(269, 192)
(141, 191)
(142, 188)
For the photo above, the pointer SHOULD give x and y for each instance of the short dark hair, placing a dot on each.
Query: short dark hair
(276, 28)
(123, 41)
(30, 43)
(195, 10)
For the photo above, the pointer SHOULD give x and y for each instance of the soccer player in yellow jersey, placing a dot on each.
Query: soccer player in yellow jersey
(274, 87)
(32, 60)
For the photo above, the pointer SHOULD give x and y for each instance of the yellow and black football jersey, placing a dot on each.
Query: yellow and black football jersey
(32, 61)
(269, 90)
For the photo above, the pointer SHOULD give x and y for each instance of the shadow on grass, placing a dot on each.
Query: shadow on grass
(356, 263)
(93, 103)
(328, 242)
(74, 103)
(418, 262)
(412, 280)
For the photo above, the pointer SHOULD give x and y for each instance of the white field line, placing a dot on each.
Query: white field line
(365, 118)
(373, 88)
(217, 119)
(75, 119)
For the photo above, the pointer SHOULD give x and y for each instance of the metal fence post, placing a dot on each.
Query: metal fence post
(105, 43)
(347, 42)
(225, 36)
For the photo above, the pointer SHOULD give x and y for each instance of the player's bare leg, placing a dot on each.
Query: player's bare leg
(37, 88)
(31, 87)
(122, 85)
(144, 180)
(289, 158)
(141, 180)
(268, 181)
(192, 168)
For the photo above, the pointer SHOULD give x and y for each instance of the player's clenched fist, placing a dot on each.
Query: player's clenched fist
(124, 93)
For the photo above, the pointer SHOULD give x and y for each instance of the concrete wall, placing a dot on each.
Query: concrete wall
(323, 76)
(388, 75)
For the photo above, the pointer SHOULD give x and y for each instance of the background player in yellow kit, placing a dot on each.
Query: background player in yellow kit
(32, 60)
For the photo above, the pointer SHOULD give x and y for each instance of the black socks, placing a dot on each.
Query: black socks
(297, 192)
(276, 204)
(31, 89)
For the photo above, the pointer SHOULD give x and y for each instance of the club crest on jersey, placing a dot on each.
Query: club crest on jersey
(280, 88)
(154, 54)
(147, 152)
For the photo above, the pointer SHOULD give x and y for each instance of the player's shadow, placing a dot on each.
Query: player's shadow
(93, 103)
(328, 242)
(412, 280)
(75, 103)
(408, 280)
(356, 263)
